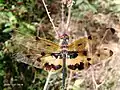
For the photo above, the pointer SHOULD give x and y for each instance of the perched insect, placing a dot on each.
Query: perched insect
(43, 53)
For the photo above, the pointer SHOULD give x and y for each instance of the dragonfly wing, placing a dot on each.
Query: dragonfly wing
(83, 59)
(38, 44)
(78, 63)
(102, 54)
(78, 45)
(36, 52)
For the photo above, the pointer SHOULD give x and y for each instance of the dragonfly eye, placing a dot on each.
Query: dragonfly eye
(64, 36)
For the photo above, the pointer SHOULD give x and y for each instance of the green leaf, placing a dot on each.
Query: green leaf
(1, 66)
(92, 8)
(6, 43)
(116, 1)
(22, 9)
(1, 1)
(2, 73)
(117, 8)
(12, 18)
(86, 1)
(1, 55)
(78, 2)
(7, 24)
(7, 30)
(29, 26)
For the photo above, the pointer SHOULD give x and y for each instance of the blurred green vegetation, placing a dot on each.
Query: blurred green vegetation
(22, 17)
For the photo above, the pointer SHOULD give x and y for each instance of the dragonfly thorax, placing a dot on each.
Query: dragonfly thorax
(64, 39)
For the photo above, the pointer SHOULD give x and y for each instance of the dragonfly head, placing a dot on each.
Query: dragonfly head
(64, 38)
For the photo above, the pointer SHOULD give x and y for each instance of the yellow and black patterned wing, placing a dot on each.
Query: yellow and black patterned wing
(80, 62)
(77, 61)
(78, 45)
(36, 52)
(35, 43)
(81, 58)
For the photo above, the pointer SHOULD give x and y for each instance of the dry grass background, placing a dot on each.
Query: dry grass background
(105, 74)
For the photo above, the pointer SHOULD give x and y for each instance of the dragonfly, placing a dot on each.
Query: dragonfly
(55, 57)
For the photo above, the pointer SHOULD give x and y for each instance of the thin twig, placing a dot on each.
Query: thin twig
(62, 15)
(51, 20)
(104, 37)
(69, 15)
(89, 44)
(94, 81)
(100, 44)
(47, 81)
(93, 77)
(69, 79)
